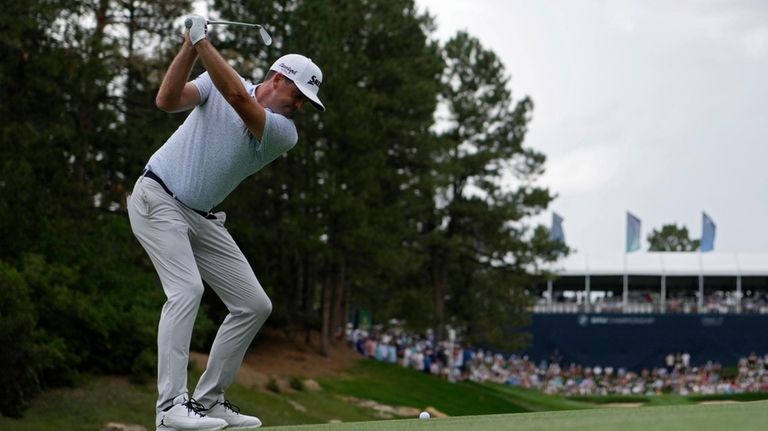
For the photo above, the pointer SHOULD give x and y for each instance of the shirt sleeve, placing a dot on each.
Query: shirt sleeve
(204, 85)
(279, 136)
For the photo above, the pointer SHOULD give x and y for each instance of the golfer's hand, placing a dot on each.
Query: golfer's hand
(197, 27)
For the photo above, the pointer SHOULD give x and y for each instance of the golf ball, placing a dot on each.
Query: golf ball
(424, 415)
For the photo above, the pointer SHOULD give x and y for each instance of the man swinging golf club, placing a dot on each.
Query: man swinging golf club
(235, 129)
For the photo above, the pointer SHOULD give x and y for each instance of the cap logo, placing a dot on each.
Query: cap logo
(314, 81)
(288, 69)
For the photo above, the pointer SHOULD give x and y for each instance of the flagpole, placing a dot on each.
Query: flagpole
(663, 299)
(738, 284)
(625, 293)
(701, 285)
(633, 243)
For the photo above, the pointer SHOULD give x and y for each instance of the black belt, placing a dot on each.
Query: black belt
(149, 174)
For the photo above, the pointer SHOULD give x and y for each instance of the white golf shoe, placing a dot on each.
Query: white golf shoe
(235, 420)
(185, 415)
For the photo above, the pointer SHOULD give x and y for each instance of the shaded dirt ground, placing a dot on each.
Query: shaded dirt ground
(279, 356)
(276, 354)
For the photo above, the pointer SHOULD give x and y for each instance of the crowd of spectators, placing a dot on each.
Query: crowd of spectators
(717, 302)
(457, 362)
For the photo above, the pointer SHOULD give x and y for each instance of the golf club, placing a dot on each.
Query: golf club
(265, 37)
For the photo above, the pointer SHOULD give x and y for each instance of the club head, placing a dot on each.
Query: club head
(265, 37)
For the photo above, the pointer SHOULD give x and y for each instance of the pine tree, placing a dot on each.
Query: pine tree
(481, 245)
(340, 200)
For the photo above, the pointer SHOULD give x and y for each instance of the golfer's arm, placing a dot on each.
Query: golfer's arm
(176, 94)
(228, 82)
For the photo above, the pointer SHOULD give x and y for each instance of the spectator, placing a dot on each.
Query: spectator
(455, 362)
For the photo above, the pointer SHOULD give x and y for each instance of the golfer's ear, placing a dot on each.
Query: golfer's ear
(278, 80)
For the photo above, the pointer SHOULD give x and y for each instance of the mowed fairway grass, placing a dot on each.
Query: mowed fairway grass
(729, 417)
(470, 406)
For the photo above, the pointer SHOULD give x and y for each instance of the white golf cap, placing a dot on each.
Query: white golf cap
(304, 73)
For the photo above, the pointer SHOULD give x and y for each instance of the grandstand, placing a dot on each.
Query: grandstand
(631, 310)
(656, 282)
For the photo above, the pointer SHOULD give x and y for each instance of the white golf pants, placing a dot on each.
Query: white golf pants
(186, 248)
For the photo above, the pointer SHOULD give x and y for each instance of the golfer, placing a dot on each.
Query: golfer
(235, 129)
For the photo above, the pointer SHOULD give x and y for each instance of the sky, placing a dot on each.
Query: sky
(655, 107)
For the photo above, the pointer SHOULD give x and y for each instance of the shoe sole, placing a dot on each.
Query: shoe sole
(197, 429)
(213, 429)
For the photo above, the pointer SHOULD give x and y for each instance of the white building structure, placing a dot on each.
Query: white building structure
(656, 282)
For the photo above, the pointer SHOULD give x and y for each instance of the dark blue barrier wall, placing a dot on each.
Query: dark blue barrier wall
(638, 341)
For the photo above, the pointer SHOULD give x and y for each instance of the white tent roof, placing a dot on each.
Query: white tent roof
(664, 263)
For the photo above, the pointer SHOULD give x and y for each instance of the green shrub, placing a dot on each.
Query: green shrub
(296, 384)
(273, 386)
(18, 361)
(65, 320)
(144, 367)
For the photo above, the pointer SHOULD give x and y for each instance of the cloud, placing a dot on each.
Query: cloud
(755, 43)
(619, 16)
(648, 105)
(584, 169)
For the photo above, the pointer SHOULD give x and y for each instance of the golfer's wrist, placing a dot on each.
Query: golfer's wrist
(201, 45)
(188, 49)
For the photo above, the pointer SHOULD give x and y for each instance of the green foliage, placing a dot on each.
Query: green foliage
(296, 384)
(481, 245)
(672, 238)
(343, 205)
(373, 208)
(19, 360)
(358, 206)
(272, 386)
(76, 92)
(64, 319)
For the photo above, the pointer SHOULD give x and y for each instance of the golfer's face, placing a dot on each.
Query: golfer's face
(289, 98)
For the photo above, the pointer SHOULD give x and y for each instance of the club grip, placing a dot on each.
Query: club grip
(188, 23)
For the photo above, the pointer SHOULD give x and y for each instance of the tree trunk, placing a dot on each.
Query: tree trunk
(307, 296)
(290, 277)
(327, 299)
(439, 281)
(338, 319)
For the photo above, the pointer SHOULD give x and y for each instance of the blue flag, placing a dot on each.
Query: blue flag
(633, 233)
(556, 233)
(707, 233)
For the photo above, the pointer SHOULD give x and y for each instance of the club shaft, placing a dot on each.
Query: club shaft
(245, 24)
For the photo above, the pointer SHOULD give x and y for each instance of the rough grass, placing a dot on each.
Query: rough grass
(609, 399)
(105, 399)
(536, 401)
(393, 385)
(87, 408)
